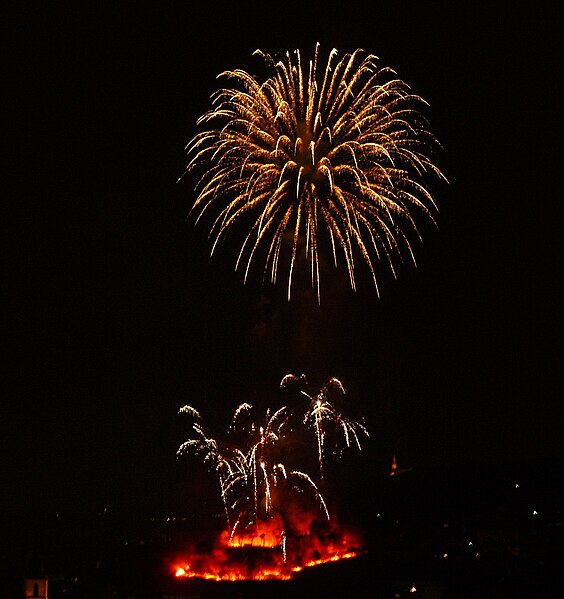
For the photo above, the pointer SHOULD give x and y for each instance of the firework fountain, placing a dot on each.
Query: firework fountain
(274, 511)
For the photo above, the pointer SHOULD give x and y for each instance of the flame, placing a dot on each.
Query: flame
(267, 554)
(267, 534)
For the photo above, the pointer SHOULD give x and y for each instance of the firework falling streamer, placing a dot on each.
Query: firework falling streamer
(249, 471)
(322, 412)
(338, 152)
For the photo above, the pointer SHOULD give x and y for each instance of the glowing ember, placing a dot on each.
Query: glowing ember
(264, 534)
(278, 523)
(256, 559)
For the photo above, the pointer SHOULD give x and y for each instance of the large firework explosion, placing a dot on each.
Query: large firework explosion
(313, 155)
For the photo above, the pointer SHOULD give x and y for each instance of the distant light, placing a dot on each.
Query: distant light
(445, 525)
(535, 513)
(470, 544)
(445, 554)
(413, 590)
(516, 485)
(378, 515)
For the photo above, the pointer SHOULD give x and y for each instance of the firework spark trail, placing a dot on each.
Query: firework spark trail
(191, 411)
(242, 409)
(249, 473)
(317, 411)
(321, 410)
(344, 149)
(223, 464)
(269, 435)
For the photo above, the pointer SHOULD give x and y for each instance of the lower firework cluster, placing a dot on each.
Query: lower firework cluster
(278, 521)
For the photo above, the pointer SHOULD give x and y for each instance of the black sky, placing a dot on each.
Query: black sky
(116, 315)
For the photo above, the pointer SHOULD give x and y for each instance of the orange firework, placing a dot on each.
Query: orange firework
(337, 153)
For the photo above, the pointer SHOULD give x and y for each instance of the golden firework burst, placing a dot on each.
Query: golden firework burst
(339, 153)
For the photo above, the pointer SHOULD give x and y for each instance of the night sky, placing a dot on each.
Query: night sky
(116, 315)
